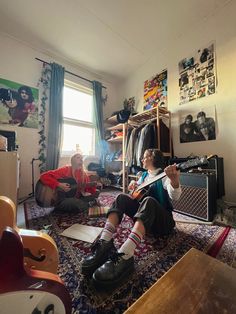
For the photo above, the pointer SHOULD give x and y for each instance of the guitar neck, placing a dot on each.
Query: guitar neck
(156, 178)
(182, 166)
(199, 161)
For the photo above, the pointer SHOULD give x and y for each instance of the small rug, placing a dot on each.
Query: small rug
(153, 258)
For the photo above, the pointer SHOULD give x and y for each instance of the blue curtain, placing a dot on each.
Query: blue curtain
(55, 116)
(98, 115)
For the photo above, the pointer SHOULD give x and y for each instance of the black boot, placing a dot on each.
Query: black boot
(100, 253)
(113, 272)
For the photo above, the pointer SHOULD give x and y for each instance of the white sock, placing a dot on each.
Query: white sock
(108, 231)
(131, 243)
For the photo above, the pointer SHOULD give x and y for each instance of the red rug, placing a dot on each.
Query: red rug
(153, 258)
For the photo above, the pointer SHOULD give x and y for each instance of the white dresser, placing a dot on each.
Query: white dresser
(9, 175)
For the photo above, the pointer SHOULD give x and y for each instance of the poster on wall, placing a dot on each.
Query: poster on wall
(197, 75)
(197, 126)
(155, 91)
(18, 104)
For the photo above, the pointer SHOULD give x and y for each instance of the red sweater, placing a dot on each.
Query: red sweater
(50, 178)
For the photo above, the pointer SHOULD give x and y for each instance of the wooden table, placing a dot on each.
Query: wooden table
(197, 283)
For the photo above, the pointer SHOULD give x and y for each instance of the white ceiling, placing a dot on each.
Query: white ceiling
(110, 37)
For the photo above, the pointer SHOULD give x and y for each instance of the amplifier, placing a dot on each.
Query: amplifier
(198, 198)
(214, 163)
(217, 163)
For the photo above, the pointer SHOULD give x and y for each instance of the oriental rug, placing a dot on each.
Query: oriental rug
(153, 258)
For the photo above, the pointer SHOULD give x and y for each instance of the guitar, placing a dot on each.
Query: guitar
(47, 197)
(140, 192)
(40, 250)
(27, 291)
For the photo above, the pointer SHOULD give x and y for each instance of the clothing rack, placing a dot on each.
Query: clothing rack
(71, 73)
(152, 115)
(149, 115)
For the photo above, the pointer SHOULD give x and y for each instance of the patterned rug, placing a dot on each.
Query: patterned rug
(153, 258)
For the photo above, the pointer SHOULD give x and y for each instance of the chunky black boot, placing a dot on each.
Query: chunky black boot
(113, 272)
(100, 253)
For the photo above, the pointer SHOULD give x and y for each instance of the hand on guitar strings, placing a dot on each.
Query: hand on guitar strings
(64, 186)
(133, 185)
(173, 174)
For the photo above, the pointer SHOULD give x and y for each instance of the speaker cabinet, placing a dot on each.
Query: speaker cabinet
(217, 164)
(198, 198)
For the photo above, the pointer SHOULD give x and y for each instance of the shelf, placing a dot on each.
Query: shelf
(116, 186)
(115, 140)
(115, 127)
(112, 119)
(147, 115)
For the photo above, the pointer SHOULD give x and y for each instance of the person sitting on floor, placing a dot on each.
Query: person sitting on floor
(152, 215)
(83, 196)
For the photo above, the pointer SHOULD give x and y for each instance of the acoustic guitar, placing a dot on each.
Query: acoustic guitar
(142, 190)
(40, 250)
(47, 197)
(27, 291)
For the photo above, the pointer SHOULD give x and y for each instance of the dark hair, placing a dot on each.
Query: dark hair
(201, 114)
(204, 55)
(189, 117)
(158, 158)
(28, 91)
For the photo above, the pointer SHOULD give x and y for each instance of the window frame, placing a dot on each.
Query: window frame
(77, 122)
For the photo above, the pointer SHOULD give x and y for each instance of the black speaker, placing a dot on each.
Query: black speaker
(198, 198)
(216, 164)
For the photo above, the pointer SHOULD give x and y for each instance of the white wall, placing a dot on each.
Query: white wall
(222, 29)
(18, 64)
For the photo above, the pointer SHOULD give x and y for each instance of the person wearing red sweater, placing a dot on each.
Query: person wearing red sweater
(85, 193)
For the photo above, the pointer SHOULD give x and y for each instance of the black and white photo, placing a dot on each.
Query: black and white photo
(197, 126)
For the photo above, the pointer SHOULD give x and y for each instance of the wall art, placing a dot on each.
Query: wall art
(197, 74)
(155, 91)
(18, 104)
(198, 125)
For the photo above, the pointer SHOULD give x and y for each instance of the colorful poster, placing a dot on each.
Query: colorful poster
(18, 104)
(197, 75)
(155, 91)
(197, 126)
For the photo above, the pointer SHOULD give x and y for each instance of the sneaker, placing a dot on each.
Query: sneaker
(114, 271)
(101, 250)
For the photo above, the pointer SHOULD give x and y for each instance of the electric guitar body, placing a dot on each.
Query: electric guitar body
(40, 250)
(27, 291)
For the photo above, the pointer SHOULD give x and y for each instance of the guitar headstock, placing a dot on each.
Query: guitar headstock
(192, 163)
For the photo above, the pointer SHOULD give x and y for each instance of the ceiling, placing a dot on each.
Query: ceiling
(110, 37)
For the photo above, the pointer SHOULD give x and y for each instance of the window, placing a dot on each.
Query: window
(78, 126)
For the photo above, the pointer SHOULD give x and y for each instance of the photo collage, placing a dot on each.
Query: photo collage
(197, 75)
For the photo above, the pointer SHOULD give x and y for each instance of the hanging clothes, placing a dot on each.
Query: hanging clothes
(131, 146)
(148, 139)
